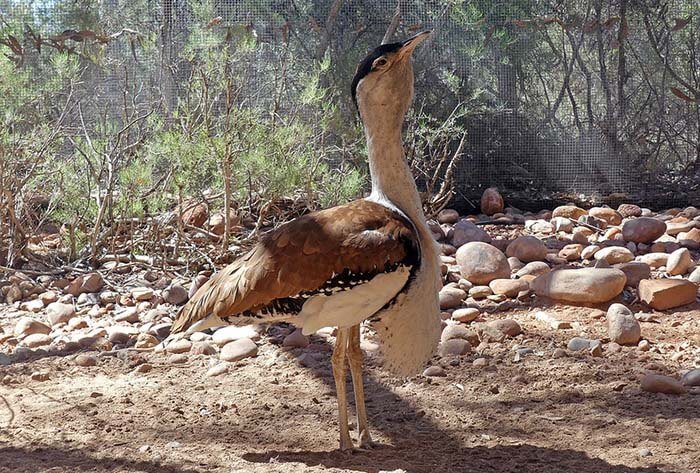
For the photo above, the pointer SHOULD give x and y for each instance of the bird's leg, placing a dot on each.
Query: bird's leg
(338, 364)
(355, 361)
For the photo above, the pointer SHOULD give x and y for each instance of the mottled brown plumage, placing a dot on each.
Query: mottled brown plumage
(362, 237)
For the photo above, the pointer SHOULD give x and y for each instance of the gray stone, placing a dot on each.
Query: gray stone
(434, 371)
(175, 294)
(635, 272)
(466, 231)
(691, 378)
(451, 297)
(454, 347)
(296, 339)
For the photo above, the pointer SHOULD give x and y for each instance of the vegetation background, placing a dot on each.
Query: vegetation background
(119, 119)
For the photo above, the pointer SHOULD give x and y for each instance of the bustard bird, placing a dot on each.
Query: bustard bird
(372, 259)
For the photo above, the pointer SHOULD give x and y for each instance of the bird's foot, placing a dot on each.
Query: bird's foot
(366, 442)
(346, 444)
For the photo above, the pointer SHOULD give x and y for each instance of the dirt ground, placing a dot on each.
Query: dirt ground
(274, 414)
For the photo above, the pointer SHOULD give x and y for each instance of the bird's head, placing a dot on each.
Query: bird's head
(382, 87)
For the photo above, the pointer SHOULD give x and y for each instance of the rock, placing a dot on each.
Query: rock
(198, 282)
(161, 330)
(434, 371)
(562, 224)
(146, 340)
(453, 331)
(569, 211)
(509, 287)
(59, 313)
(480, 292)
(552, 320)
(610, 216)
(481, 263)
(27, 326)
(176, 359)
(195, 214)
(91, 282)
(581, 344)
(655, 383)
(679, 262)
(142, 293)
(232, 333)
(623, 328)
(581, 235)
(661, 294)
(654, 260)
(629, 210)
(296, 339)
(77, 323)
(175, 294)
(534, 268)
(202, 348)
(527, 249)
(450, 216)
(451, 297)
(502, 328)
(586, 285)
(35, 305)
(85, 360)
(238, 350)
(539, 226)
(36, 340)
(643, 345)
(491, 201)
(643, 229)
(674, 227)
(571, 252)
(118, 335)
(454, 347)
(217, 370)
(465, 231)
(108, 297)
(695, 276)
(614, 255)
(217, 222)
(691, 378)
(179, 346)
(515, 264)
(465, 315)
(128, 314)
(40, 376)
(635, 272)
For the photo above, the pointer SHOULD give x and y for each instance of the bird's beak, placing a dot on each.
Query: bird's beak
(411, 43)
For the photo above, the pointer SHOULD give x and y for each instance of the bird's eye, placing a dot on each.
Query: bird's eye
(380, 62)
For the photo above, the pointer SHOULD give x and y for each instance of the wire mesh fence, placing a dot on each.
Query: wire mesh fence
(582, 99)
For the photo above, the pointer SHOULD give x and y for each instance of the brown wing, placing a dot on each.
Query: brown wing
(361, 237)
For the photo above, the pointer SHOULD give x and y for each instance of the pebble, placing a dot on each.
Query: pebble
(175, 294)
(635, 272)
(466, 315)
(177, 358)
(534, 268)
(434, 371)
(48, 297)
(179, 346)
(679, 262)
(691, 378)
(481, 263)
(643, 229)
(509, 287)
(58, 312)
(614, 255)
(85, 360)
(491, 201)
(454, 347)
(466, 231)
(623, 327)
(40, 376)
(217, 370)
(587, 285)
(480, 362)
(232, 333)
(238, 349)
(142, 293)
(143, 368)
(527, 249)
(569, 211)
(644, 452)
(552, 320)
(580, 344)
(128, 314)
(36, 340)
(559, 353)
(108, 297)
(35, 305)
(450, 216)
(146, 340)
(451, 297)
(480, 292)
(91, 282)
(661, 294)
(27, 326)
(643, 345)
(202, 348)
(655, 383)
(502, 328)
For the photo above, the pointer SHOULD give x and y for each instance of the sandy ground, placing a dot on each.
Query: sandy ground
(271, 414)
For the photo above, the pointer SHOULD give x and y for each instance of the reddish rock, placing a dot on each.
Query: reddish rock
(527, 249)
(491, 201)
(195, 214)
(661, 294)
(569, 211)
(91, 282)
(643, 229)
(629, 210)
(612, 217)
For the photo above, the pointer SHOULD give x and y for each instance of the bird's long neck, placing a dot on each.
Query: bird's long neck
(391, 176)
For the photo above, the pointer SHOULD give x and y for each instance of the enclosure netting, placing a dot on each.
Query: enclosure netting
(593, 100)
